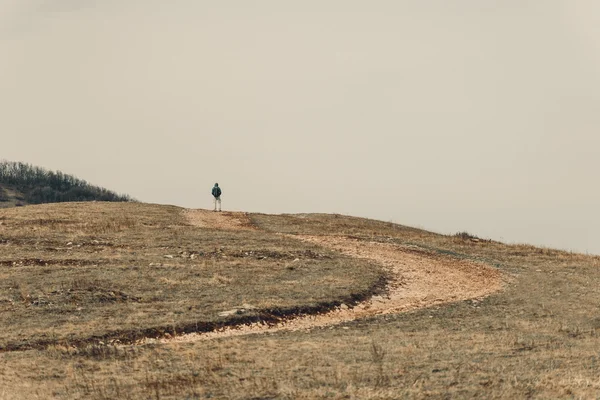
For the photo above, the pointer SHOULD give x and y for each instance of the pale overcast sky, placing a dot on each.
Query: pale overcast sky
(473, 115)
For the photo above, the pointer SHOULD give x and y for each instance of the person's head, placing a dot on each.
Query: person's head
(216, 184)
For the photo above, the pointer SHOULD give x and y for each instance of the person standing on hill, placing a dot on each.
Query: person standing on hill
(216, 192)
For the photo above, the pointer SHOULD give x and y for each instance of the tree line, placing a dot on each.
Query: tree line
(39, 185)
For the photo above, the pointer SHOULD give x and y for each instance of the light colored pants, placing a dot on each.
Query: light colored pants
(218, 201)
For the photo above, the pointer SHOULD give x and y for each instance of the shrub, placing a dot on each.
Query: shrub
(466, 236)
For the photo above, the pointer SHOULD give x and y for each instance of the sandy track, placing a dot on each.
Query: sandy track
(419, 278)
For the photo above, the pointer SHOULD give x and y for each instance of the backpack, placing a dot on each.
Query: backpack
(216, 191)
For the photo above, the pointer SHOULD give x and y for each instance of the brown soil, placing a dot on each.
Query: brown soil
(418, 278)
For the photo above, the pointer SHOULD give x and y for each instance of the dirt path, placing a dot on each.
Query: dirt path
(419, 279)
(227, 220)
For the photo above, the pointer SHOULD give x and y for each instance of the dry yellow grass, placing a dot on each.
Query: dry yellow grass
(88, 272)
(536, 339)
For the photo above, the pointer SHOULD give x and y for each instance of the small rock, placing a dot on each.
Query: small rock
(193, 256)
(168, 256)
(228, 313)
(343, 307)
(296, 260)
(70, 244)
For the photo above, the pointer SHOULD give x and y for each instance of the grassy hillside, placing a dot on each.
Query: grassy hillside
(22, 184)
(80, 272)
(74, 274)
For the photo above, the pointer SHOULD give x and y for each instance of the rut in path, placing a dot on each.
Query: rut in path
(419, 278)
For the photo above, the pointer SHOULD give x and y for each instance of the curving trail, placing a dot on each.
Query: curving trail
(419, 279)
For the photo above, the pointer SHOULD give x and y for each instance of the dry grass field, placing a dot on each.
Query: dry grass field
(82, 285)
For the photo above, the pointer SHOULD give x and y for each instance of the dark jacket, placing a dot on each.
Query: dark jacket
(216, 191)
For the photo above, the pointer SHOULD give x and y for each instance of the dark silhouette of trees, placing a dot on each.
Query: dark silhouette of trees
(39, 185)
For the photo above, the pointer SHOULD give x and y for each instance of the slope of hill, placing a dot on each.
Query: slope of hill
(22, 184)
(130, 300)
(106, 261)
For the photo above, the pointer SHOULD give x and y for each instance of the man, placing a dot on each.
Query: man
(216, 192)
